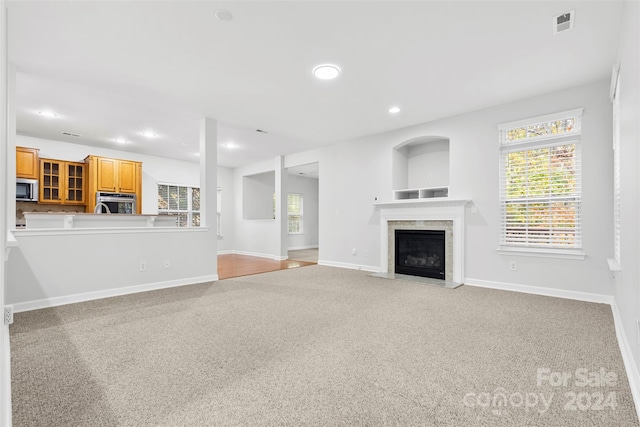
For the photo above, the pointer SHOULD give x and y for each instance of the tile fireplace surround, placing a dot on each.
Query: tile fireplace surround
(444, 214)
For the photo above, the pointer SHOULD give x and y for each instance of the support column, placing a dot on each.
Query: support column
(282, 230)
(11, 131)
(209, 182)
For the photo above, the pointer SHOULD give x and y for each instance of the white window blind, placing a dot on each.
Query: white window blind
(294, 211)
(616, 167)
(540, 182)
(180, 201)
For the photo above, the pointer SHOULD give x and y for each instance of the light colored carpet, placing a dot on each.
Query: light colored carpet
(316, 346)
(310, 255)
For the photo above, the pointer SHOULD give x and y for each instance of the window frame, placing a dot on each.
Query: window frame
(617, 183)
(300, 215)
(530, 247)
(177, 212)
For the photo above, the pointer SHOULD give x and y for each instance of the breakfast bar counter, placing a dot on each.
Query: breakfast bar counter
(52, 220)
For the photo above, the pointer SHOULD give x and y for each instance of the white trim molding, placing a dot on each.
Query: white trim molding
(349, 266)
(539, 290)
(627, 357)
(299, 248)
(260, 255)
(89, 296)
(443, 210)
(542, 252)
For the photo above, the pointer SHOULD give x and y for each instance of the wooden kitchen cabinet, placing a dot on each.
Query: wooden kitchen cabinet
(27, 162)
(113, 176)
(128, 176)
(75, 193)
(107, 174)
(62, 182)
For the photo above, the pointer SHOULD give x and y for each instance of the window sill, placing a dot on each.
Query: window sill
(293, 234)
(543, 253)
(613, 265)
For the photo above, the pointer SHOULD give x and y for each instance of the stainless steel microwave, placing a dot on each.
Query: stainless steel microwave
(26, 190)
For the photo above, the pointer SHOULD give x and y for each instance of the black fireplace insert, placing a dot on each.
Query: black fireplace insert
(420, 253)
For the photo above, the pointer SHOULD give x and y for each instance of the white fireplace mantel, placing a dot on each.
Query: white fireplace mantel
(440, 209)
(431, 203)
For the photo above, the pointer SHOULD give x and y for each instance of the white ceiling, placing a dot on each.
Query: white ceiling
(114, 69)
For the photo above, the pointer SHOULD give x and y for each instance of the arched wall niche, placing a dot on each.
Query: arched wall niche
(421, 162)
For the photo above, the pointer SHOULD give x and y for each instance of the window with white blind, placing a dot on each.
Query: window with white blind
(180, 201)
(615, 99)
(294, 213)
(540, 185)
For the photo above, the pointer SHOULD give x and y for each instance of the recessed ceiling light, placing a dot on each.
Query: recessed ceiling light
(120, 140)
(49, 114)
(326, 71)
(394, 110)
(148, 134)
(223, 15)
(230, 145)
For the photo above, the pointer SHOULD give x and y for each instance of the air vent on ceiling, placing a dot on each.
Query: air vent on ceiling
(70, 134)
(261, 131)
(563, 22)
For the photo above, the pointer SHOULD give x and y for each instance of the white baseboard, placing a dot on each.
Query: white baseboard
(259, 255)
(349, 266)
(229, 252)
(88, 296)
(627, 357)
(299, 248)
(538, 290)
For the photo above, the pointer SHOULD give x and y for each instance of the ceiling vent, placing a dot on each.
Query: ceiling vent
(563, 22)
(70, 134)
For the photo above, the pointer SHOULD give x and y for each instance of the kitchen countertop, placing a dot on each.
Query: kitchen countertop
(62, 220)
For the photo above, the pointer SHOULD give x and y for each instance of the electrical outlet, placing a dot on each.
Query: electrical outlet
(513, 266)
(8, 314)
(143, 265)
(167, 264)
(354, 252)
(365, 253)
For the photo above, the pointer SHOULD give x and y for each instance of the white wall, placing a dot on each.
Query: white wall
(253, 236)
(428, 164)
(227, 216)
(58, 266)
(400, 168)
(257, 195)
(308, 187)
(353, 173)
(627, 283)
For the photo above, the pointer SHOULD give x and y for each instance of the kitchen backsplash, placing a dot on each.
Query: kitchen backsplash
(22, 207)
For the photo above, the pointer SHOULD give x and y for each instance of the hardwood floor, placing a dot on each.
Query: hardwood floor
(233, 265)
